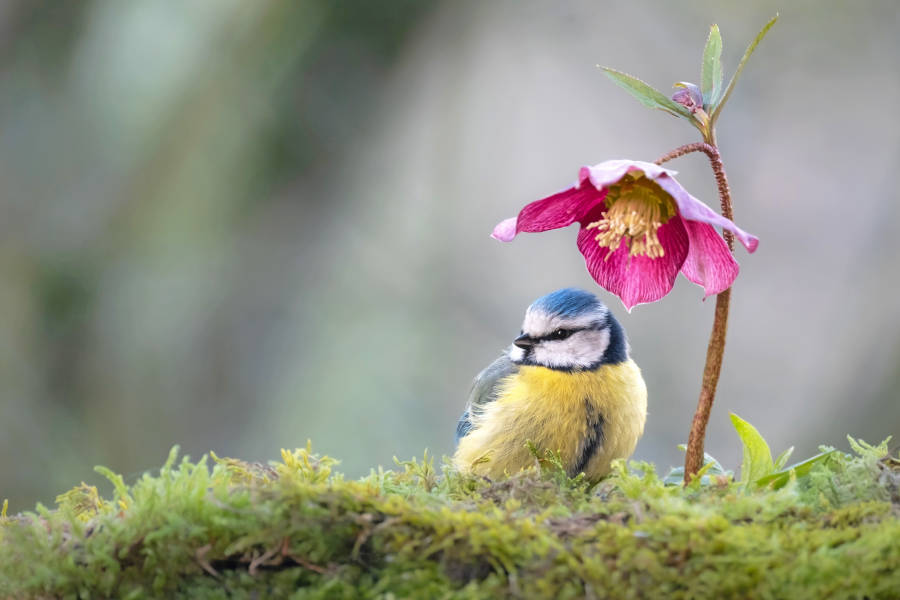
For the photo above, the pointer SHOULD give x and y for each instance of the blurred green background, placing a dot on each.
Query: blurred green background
(237, 225)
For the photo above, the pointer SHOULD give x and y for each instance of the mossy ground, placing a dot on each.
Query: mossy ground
(297, 530)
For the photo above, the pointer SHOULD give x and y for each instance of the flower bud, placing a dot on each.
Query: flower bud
(688, 95)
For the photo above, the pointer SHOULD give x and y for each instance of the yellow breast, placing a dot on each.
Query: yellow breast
(588, 417)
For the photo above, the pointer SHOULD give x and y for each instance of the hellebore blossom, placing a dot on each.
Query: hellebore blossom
(639, 228)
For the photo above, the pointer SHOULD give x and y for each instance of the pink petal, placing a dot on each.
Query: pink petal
(570, 205)
(611, 171)
(505, 230)
(709, 263)
(692, 209)
(635, 279)
(559, 210)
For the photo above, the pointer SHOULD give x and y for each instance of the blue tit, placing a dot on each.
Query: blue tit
(566, 384)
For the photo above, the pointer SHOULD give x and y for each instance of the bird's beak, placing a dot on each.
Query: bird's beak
(524, 341)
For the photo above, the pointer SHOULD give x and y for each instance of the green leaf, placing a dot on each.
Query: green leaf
(711, 70)
(783, 458)
(647, 95)
(759, 36)
(781, 478)
(700, 478)
(711, 468)
(757, 460)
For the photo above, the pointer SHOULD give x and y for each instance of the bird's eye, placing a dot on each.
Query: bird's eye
(560, 334)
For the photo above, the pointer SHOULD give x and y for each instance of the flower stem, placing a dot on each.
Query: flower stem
(715, 350)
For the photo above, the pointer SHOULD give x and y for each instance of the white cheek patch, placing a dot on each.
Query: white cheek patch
(515, 354)
(537, 323)
(582, 349)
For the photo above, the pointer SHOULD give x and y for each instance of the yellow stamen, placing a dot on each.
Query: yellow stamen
(635, 210)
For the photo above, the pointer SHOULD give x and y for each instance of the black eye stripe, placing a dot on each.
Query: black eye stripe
(559, 334)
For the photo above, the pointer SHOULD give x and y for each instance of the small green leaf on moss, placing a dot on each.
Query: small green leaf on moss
(783, 458)
(712, 472)
(757, 461)
(781, 478)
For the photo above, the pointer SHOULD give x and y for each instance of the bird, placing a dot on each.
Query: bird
(566, 384)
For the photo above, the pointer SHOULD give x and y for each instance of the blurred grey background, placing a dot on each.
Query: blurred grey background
(237, 225)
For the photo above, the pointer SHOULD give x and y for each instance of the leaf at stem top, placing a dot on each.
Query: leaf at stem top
(757, 462)
(781, 477)
(647, 95)
(711, 69)
(759, 36)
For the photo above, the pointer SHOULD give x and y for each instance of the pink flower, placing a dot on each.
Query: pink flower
(639, 228)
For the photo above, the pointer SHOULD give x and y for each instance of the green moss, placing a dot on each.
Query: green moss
(298, 529)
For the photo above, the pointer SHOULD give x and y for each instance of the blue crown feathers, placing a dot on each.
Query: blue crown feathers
(568, 302)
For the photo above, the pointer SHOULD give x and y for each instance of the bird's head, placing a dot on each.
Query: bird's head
(569, 329)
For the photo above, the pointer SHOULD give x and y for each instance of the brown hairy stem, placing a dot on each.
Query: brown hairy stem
(693, 460)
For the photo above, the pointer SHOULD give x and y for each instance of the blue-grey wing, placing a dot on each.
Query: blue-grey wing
(484, 391)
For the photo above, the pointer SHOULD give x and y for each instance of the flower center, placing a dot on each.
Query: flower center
(635, 210)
